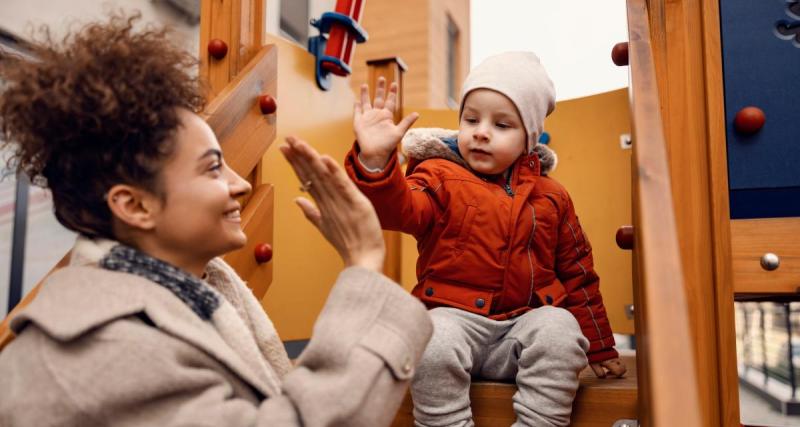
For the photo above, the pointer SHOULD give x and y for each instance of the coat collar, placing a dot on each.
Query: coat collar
(82, 297)
(427, 143)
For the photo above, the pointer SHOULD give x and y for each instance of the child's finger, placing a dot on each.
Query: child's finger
(615, 367)
(380, 92)
(598, 370)
(357, 109)
(407, 122)
(365, 104)
(391, 100)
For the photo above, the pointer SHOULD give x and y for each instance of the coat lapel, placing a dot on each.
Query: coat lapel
(76, 299)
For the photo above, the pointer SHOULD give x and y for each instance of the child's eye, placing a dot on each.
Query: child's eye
(470, 120)
(503, 125)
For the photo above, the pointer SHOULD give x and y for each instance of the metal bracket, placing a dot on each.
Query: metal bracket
(625, 141)
(629, 310)
(626, 423)
(316, 44)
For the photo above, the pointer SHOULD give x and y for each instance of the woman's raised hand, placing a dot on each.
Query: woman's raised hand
(373, 123)
(344, 216)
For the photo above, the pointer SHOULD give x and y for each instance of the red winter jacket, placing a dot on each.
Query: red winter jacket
(489, 252)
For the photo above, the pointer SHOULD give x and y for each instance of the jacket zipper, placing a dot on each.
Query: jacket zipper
(507, 187)
(530, 259)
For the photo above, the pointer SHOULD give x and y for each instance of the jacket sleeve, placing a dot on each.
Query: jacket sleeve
(355, 371)
(406, 204)
(575, 270)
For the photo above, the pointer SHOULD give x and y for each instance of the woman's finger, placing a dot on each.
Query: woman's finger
(310, 211)
(365, 104)
(380, 91)
(301, 166)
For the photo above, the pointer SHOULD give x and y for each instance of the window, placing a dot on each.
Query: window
(452, 63)
(294, 20)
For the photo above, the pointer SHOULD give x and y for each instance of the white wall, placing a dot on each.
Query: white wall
(572, 38)
(47, 241)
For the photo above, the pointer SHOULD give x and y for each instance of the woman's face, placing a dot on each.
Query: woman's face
(199, 216)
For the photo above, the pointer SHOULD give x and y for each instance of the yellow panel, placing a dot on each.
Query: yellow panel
(305, 264)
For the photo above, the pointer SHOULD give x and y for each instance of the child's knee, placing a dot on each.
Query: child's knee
(554, 328)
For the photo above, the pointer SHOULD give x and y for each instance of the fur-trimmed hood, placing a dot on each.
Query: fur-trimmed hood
(428, 143)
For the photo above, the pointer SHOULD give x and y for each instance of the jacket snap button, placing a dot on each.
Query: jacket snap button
(480, 303)
(548, 299)
(429, 292)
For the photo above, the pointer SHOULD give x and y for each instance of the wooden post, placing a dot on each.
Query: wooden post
(239, 24)
(391, 69)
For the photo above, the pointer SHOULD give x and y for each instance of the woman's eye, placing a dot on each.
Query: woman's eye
(216, 167)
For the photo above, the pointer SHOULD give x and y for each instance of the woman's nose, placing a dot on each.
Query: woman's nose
(238, 185)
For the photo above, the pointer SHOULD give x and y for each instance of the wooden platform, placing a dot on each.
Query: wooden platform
(600, 402)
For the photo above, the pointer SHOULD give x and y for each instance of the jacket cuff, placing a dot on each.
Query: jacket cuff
(367, 309)
(362, 174)
(602, 355)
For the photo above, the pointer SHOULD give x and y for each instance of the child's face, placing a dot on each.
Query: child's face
(491, 135)
(199, 217)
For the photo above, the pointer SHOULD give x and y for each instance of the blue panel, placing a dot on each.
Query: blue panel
(761, 68)
(765, 203)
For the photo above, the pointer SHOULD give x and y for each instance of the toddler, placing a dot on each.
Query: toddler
(504, 266)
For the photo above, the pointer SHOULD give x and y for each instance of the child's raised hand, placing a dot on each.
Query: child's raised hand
(373, 123)
(613, 366)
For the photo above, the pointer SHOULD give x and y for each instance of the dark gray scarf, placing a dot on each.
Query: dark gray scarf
(191, 290)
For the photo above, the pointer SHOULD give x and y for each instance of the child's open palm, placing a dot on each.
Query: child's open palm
(373, 123)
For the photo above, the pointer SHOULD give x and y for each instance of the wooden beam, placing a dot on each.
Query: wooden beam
(243, 131)
(392, 70)
(669, 388)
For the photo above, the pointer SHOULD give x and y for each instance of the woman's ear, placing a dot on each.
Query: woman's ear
(133, 206)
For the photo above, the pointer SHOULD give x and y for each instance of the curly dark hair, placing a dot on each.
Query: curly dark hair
(96, 109)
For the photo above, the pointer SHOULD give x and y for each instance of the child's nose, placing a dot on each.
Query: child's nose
(480, 133)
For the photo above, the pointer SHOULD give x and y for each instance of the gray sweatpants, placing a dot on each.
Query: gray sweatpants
(543, 350)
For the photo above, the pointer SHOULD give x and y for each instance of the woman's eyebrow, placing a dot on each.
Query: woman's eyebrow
(211, 152)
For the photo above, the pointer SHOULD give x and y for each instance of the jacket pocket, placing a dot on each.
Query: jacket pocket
(466, 228)
(435, 293)
(553, 294)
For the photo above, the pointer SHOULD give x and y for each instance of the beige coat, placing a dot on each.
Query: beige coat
(98, 347)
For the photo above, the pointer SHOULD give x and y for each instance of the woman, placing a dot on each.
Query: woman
(147, 326)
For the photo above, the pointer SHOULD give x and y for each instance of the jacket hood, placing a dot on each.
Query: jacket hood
(428, 143)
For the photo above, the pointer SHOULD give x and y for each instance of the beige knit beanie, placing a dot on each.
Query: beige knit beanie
(522, 78)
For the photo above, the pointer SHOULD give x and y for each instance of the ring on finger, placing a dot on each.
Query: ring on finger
(306, 186)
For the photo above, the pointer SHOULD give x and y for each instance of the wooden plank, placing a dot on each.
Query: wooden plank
(664, 333)
(392, 70)
(257, 223)
(216, 18)
(243, 131)
(752, 238)
(598, 403)
(6, 336)
(721, 243)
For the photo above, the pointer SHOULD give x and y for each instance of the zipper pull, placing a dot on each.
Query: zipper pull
(508, 190)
